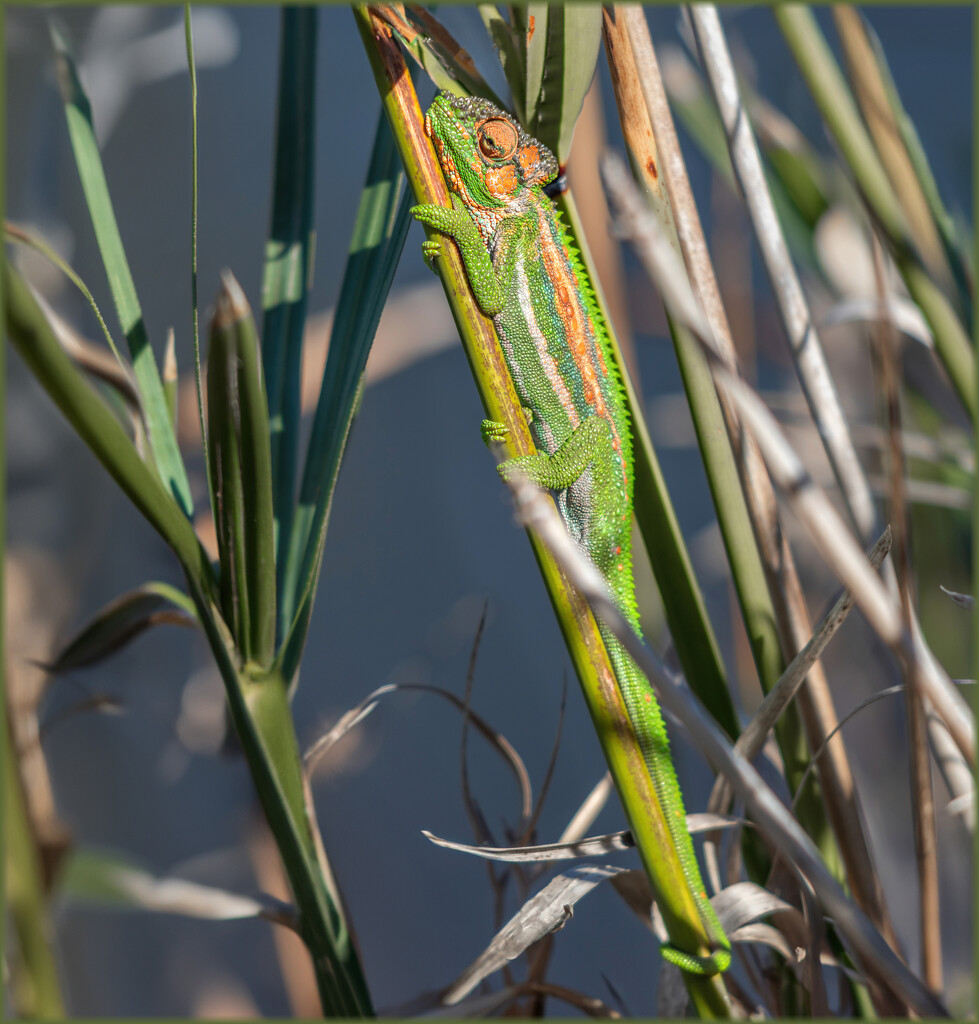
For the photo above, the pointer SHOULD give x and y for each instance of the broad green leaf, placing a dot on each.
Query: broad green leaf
(121, 621)
(241, 476)
(530, 28)
(566, 50)
(378, 238)
(438, 48)
(289, 255)
(163, 441)
(509, 51)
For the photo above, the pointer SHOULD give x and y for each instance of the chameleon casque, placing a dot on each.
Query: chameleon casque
(529, 279)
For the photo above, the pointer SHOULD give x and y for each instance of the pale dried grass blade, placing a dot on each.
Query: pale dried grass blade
(546, 912)
(589, 810)
(903, 312)
(101, 878)
(966, 601)
(596, 846)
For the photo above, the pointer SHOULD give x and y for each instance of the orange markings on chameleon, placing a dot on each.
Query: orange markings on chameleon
(528, 158)
(501, 181)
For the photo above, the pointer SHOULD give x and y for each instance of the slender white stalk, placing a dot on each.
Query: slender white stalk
(804, 343)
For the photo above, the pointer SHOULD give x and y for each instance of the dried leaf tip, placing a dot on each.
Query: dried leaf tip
(232, 306)
(170, 359)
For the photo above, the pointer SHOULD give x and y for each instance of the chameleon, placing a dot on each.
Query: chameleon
(529, 279)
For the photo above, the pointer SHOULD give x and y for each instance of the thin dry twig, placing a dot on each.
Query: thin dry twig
(358, 713)
(922, 795)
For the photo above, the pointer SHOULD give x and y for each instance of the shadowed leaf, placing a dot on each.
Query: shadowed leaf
(121, 621)
(109, 879)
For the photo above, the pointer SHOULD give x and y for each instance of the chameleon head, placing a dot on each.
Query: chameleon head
(486, 157)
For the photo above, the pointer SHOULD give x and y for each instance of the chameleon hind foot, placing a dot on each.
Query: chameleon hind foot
(704, 966)
(431, 250)
(493, 432)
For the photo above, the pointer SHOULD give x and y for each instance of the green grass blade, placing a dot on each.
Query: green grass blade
(163, 441)
(509, 51)
(195, 318)
(241, 472)
(259, 708)
(96, 425)
(289, 256)
(378, 238)
(530, 28)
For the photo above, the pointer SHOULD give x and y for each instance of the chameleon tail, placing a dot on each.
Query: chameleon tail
(647, 720)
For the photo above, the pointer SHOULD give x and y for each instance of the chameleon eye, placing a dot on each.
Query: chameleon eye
(497, 139)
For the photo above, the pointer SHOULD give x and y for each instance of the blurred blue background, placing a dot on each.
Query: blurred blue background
(420, 537)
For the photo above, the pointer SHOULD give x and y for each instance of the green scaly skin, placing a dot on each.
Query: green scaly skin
(526, 276)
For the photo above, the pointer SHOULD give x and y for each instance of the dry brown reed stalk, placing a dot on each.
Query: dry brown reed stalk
(792, 616)
(885, 347)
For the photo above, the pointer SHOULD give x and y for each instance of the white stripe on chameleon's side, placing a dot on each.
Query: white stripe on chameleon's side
(545, 358)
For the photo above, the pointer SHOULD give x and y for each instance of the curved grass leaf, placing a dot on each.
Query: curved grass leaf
(378, 238)
(163, 441)
(91, 419)
(546, 912)
(121, 621)
(92, 876)
(289, 256)
(13, 233)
